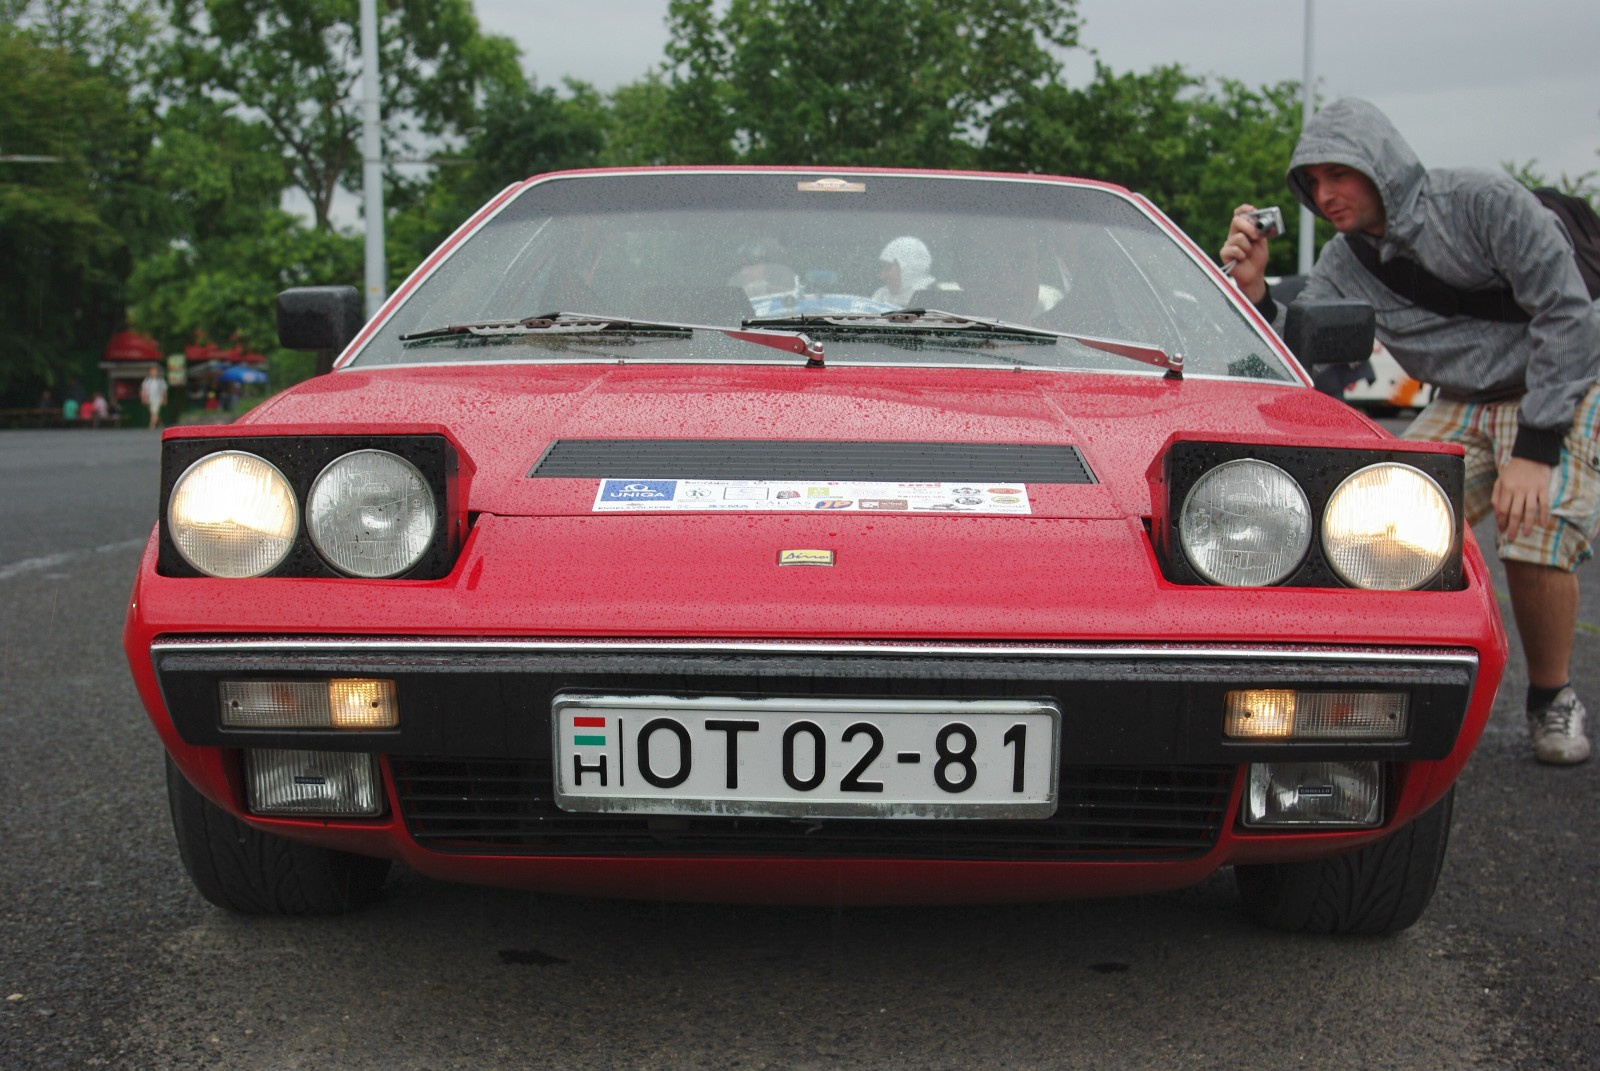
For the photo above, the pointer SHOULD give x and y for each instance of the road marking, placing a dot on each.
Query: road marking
(50, 561)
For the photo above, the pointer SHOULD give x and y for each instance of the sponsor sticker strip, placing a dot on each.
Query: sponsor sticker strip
(622, 495)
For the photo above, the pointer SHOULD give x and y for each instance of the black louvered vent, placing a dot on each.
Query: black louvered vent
(757, 459)
(505, 807)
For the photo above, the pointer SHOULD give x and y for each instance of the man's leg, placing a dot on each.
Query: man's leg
(1544, 601)
(1539, 565)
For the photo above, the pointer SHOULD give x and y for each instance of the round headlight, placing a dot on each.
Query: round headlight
(371, 514)
(233, 514)
(1388, 527)
(1245, 524)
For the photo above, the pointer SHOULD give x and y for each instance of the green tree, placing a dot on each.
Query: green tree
(226, 289)
(117, 37)
(636, 120)
(1585, 185)
(230, 246)
(1195, 151)
(264, 96)
(295, 67)
(1250, 136)
(74, 213)
(523, 130)
(885, 82)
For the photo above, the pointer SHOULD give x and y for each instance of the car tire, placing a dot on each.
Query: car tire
(1379, 889)
(242, 869)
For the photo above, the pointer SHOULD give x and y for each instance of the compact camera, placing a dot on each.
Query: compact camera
(1268, 221)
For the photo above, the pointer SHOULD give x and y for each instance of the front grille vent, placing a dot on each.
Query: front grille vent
(866, 462)
(506, 807)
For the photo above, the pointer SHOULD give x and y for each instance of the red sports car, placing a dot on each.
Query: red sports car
(797, 536)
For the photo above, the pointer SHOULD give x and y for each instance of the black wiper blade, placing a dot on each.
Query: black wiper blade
(583, 323)
(937, 320)
(918, 320)
(562, 323)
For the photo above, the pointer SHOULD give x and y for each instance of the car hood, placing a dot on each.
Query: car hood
(505, 418)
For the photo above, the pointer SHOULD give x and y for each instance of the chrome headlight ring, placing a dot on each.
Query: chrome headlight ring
(371, 514)
(233, 514)
(1388, 527)
(1245, 523)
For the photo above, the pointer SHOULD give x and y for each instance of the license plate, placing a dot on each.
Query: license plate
(852, 758)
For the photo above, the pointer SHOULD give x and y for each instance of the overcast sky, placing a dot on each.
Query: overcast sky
(1468, 82)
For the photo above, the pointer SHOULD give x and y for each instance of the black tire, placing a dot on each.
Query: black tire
(1379, 889)
(243, 869)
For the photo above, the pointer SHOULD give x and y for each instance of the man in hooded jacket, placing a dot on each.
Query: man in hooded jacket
(1519, 396)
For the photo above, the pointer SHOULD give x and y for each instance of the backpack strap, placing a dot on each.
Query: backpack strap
(1421, 287)
(1583, 227)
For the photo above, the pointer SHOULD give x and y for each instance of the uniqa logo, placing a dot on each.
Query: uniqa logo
(637, 490)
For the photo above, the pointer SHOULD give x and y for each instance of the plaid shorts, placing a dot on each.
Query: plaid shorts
(1487, 430)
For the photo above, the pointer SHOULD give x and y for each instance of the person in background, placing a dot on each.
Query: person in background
(153, 393)
(1519, 396)
(906, 268)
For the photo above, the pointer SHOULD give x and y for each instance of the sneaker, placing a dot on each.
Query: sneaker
(1557, 731)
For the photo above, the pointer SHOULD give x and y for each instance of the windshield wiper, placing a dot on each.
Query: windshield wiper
(583, 323)
(939, 321)
(913, 320)
(553, 323)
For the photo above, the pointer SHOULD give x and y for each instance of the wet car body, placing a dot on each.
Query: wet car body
(812, 599)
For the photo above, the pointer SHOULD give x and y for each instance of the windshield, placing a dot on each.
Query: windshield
(731, 249)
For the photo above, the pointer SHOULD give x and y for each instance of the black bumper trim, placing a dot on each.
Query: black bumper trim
(1122, 706)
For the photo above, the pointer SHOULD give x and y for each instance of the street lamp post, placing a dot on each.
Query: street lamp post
(372, 158)
(1308, 108)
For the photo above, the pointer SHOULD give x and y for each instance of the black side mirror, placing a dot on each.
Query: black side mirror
(320, 318)
(1330, 332)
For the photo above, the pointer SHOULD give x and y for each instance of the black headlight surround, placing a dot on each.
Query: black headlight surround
(301, 458)
(1318, 470)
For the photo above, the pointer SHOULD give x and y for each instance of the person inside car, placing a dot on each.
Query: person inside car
(906, 268)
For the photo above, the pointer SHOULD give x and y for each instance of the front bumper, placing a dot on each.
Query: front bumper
(1148, 790)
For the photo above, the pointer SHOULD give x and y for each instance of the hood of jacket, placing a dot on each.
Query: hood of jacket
(1356, 134)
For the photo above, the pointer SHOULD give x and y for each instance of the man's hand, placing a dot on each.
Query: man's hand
(1248, 251)
(1521, 497)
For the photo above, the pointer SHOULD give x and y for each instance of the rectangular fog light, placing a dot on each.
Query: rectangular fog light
(305, 783)
(1346, 794)
(1283, 714)
(341, 703)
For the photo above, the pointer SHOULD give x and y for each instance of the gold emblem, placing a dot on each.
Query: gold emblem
(805, 557)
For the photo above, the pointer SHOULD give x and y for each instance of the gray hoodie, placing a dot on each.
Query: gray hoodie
(1474, 230)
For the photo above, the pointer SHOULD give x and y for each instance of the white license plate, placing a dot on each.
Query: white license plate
(860, 758)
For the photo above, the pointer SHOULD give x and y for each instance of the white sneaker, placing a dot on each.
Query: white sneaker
(1557, 730)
